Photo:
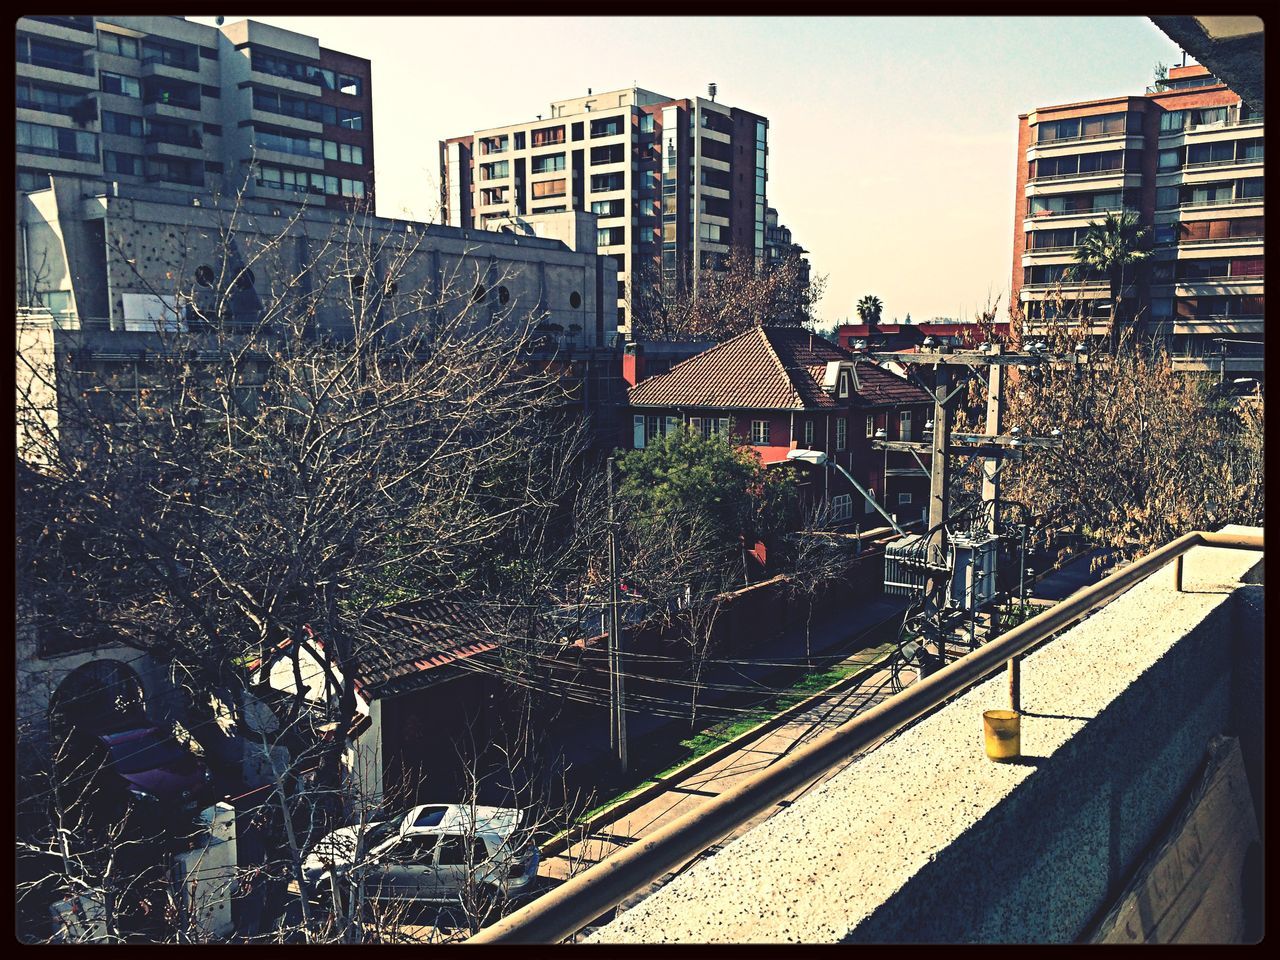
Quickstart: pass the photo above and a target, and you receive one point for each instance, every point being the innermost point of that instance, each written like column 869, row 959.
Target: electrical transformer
column 973, row 570
column 904, row 566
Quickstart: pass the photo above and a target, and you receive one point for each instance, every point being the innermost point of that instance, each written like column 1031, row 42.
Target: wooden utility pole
column 995, row 426
column 617, row 693
column 939, row 484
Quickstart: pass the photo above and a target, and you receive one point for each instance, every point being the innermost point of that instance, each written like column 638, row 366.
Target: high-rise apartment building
column 163, row 101
column 1187, row 156
column 676, row 184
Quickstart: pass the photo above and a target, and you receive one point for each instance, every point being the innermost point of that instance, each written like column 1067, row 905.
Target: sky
column 892, row 140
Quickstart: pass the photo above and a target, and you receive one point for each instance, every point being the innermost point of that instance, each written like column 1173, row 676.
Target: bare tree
column 727, row 301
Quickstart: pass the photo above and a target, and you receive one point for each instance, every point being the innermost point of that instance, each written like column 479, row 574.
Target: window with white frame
column 904, row 499
column 652, row 429
column 808, row 433
column 871, row 426
column 671, row 425
column 843, row 390
column 904, row 425
column 842, row 506
column 637, row 436
column 842, row 431
column 759, row 432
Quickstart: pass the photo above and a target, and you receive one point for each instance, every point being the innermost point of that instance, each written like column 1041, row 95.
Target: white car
column 430, row 854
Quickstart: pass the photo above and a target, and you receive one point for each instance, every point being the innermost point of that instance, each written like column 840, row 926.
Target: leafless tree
column 727, row 302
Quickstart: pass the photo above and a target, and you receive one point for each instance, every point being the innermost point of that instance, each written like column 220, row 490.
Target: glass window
column 118, row 44
column 1251, row 149
column 842, row 431
column 1170, row 159
column 547, row 163
column 550, row 188
column 349, row 85
column 124, row 163
column 116, row 83
column 842, row 506
column 1172, row 120
column 121, row 123
column 759, row 432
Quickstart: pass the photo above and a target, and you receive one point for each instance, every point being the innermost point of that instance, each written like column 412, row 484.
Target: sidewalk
column 652, row 740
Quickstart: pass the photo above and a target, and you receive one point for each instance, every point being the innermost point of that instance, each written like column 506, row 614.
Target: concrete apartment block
column 1187, row 157
column 160, row 100
column 926, row 840
column 676, row 184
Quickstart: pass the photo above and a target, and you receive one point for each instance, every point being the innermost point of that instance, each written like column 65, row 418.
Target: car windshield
column 380, row 833
column 149, row 751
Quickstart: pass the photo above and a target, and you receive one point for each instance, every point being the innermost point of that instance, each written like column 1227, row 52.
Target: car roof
column 456, row 818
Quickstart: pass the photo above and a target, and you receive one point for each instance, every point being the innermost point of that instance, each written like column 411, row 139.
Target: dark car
column 154, row 766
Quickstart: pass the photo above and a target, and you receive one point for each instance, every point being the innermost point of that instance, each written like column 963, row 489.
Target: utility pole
column 617, row 696
column 939, row 488
column 992, row 445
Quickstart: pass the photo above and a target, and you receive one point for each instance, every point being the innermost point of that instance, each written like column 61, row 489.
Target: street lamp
column 819, row 459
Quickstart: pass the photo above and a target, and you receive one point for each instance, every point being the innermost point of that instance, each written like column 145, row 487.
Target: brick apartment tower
column 673, row 183
column 164, row 101
column 1188, row 157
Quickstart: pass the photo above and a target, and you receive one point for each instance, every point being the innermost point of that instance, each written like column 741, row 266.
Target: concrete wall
column 925, row 840
column 155, row 245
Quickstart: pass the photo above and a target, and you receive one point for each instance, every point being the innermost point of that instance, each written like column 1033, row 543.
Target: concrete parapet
column 925, row 840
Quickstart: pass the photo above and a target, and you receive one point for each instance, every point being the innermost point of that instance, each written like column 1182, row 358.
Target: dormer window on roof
column 843, row 390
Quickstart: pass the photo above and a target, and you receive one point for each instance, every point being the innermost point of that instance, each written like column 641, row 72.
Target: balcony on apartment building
column 59, row 63
column 1131, row 810
column 165, row 97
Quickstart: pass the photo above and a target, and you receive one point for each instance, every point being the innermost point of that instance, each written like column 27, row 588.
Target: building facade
column 778, row 389
column 1188, row 158
column 160, row 100
column 676, row 184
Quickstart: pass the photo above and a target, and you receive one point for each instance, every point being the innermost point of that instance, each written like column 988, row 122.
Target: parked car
column 155, row 767
column 431, row 855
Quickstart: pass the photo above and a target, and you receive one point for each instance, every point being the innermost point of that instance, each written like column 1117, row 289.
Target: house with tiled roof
column 424, row 670
column 778, row 389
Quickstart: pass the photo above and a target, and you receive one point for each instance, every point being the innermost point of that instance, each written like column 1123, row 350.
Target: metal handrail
column 566, row 909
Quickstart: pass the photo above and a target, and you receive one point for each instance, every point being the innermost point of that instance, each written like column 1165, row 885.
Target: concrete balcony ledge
column 926, row 840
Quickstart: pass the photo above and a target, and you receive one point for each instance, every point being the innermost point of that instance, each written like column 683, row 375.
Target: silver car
column 436, row 853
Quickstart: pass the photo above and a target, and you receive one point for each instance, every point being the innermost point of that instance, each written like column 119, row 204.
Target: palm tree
column 1108, row 247
column 869, row 308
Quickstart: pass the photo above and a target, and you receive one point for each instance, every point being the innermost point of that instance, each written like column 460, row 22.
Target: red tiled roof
column 769, row 368
column 413, row 638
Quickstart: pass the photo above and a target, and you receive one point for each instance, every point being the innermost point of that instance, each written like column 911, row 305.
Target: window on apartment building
column 904, row 425
column 808, row 433
column 498, row 170
column 871, row 426
column 1250, row 151
column 118, row 44
column 121, row 163
column 607, row 208
column 351, row 119
column 350, row 153
column 519, row 140
column 549, row 188
column 1172, row 121
column 352, row 188
column 601, row 182
column 56, row 141
column 904, row 499
column 121, row 123
column 547, row 163
column 842, row 433
column 350, row 85
column 545, row 136
column 1167, row 197
column 118, row 83
column 614, row 153
column 1208, row 116
column 1169, row 160
column 841, row 506
column 1209, row 153
column 760, row 432
column 646, row 123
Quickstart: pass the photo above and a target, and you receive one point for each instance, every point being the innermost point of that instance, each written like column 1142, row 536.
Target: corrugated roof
column 769, row 368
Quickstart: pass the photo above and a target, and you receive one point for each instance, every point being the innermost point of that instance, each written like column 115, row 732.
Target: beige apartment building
column 675, row 184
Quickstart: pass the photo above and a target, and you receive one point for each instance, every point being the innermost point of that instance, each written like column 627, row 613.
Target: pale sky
column 892, row 140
